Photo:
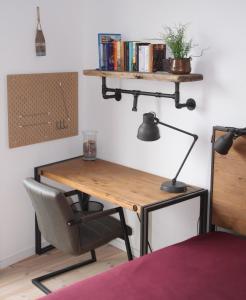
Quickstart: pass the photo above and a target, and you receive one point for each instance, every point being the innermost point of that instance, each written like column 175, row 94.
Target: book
column 118, row 53
column 122, row 56
column 143, row 57
column 115, row 55
column 126, row 55
column 110, row 56
column 130, row 57
column 104, row 49
column 134, row 56
column 159, row 54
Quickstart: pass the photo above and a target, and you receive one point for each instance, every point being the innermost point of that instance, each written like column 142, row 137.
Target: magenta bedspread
column 207, row 267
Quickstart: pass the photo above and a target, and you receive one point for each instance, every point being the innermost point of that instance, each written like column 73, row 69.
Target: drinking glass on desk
column 89, row 145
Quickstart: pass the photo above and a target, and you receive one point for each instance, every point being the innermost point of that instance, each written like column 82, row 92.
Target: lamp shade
column 148, row 130
column 223, row 144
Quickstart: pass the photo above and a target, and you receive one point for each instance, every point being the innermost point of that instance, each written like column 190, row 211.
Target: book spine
column 137, row 57
column 110, row 56
column 130, row 56
column 141, row 59
column 159, row 54
column 118, row 53
column 134, row 56
column 146, row 59
column 122, row 56
column 142, row 54
column 127, row 56
column 150, row 66
column 104, row 57
column 155, row 58
column 99, row 51
column 115, row 55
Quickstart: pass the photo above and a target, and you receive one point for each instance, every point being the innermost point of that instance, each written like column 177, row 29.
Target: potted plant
column 180, row 48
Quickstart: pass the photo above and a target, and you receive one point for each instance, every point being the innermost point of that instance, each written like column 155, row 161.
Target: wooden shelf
column 161, row 76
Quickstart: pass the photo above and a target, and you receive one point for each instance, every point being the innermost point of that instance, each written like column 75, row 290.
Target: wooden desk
column 126, row 187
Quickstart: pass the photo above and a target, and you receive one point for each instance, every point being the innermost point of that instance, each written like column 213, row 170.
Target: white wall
column 63, row 29
column 71, row 29
column 217, row 25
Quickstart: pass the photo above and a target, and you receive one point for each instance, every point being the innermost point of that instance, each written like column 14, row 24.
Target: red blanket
column 208, row 267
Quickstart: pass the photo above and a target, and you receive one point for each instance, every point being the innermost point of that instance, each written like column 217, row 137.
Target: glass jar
column 89, row 145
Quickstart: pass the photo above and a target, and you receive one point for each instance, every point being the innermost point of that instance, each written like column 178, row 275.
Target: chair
column 71, row 232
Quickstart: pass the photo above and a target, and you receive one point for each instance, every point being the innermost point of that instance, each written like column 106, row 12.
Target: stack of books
column 129, row 56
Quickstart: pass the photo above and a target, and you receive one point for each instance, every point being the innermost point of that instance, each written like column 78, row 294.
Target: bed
column 210, row 266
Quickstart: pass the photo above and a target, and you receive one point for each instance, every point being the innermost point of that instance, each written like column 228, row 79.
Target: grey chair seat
column 99, row 232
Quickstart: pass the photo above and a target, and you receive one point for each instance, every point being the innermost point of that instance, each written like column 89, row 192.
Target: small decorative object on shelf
column 89, row 145
column 39, row 39
column 180, row 48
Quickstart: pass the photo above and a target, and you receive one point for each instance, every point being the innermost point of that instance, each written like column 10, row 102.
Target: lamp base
column 177, row 187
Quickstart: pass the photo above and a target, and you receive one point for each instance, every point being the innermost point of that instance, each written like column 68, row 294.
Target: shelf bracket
column 117, row 95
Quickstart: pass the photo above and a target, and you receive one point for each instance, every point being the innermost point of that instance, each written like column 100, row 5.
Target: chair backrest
column 53, row 212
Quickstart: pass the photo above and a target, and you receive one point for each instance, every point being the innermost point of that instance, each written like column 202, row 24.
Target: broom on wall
column 39, row 39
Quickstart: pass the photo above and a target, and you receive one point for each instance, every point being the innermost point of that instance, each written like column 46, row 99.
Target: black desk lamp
column 149, row 131
column 223, row 144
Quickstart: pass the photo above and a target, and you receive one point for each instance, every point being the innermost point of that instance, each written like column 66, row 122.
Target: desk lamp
column 223, row 144
column 149, row 131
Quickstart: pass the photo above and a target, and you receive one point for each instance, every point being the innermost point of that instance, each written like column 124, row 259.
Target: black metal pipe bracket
column 117, row 95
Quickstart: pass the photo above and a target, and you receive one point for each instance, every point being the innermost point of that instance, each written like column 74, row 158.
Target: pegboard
column 42, row 107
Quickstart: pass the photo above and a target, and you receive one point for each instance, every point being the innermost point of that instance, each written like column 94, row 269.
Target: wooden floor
column 15, row 281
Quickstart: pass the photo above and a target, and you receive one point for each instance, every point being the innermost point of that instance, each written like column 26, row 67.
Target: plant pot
column 180, row 65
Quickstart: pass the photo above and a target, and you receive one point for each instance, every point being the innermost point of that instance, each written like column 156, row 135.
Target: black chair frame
column 38, row 281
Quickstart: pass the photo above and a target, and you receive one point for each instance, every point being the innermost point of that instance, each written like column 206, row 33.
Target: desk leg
column 203, row 212
column 144, row 231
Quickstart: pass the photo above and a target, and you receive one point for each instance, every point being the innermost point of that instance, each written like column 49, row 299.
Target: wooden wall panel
column 42, row 107
column 229, row 187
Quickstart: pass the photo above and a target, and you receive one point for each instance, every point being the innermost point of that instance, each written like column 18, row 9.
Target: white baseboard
column 12, row 259
column 120, row 244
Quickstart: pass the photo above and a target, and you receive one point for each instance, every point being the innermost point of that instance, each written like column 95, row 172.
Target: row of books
column 118, row 55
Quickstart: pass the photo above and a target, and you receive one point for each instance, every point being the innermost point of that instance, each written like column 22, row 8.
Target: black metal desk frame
column 203, row 194
column 144, row 214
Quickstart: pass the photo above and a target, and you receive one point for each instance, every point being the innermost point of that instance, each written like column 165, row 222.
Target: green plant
column 176, row 40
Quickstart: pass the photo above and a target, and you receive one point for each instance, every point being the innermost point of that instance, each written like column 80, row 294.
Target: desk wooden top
column 120, row 185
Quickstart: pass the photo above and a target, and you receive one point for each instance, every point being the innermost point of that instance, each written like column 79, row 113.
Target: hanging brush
column 39, row 39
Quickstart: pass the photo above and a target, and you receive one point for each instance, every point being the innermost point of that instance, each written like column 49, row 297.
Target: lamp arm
column 180, row 168
column 195, row 138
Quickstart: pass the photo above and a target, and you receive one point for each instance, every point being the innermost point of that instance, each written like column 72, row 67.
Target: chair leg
column 38, row 281
column 126, row 238
column 93, row 255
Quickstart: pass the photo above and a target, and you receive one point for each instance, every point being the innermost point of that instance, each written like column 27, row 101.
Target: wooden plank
column 229, row 189
column 120, row 185
column 161, row 76
column 15, row 281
